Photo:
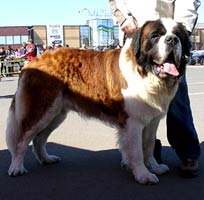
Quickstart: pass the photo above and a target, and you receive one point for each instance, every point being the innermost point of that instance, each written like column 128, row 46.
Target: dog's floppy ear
column 187, row 44
column 184, row 36
column 140, row 57
column 137, row 43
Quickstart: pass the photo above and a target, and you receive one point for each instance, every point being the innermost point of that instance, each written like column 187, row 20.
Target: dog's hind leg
column 39, row 142
column 17, row 148
column 24, row 126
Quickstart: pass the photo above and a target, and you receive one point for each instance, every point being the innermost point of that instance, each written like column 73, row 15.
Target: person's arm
column 186, row 13
column 123, row 16
column 119, row 10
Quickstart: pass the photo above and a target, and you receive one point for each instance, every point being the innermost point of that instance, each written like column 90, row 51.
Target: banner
column 55, row 34
column 105, row 28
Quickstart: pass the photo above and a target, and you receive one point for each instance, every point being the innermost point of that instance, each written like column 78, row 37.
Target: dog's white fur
column 145, row 99
column 154, row 109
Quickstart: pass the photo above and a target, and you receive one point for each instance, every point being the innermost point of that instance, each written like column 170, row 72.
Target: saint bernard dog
column 129, row 88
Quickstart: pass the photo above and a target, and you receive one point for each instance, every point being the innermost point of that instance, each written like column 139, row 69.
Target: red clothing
column 31, row 51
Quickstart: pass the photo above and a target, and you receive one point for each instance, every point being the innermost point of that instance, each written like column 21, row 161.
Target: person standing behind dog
column 181, row 132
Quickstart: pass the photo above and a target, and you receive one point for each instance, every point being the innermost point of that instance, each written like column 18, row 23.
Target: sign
column 105, row 28
column 55, row 34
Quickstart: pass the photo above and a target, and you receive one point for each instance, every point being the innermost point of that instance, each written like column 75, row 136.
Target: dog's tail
column 13, row 129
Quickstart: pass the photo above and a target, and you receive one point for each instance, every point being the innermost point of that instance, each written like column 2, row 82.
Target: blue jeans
column 181, row 132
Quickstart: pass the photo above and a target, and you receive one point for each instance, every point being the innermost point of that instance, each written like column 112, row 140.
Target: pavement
column 90, row 161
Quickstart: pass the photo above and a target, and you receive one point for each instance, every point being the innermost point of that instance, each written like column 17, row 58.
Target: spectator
column 44, row 48
column 83, row 46
column 57, row 46
column 23, row 48
column 2, row 57
column 10, row 54
column 19, row 53
column 31, row 50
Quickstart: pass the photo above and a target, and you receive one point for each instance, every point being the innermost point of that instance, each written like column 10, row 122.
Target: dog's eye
column 155, row 36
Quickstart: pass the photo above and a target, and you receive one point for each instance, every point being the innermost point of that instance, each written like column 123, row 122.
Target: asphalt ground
column 90, row 162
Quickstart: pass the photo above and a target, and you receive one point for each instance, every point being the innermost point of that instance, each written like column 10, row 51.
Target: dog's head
column 162, row 47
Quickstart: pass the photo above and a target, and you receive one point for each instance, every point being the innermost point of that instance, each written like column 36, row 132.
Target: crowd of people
column 25, row 53
column 6, row 56
column 9, row 57
column 22, row 55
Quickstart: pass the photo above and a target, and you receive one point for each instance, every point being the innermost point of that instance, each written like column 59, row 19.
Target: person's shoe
column 189, row 168
column 157, row 151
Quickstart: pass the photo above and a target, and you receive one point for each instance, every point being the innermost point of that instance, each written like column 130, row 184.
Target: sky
column 64, row 12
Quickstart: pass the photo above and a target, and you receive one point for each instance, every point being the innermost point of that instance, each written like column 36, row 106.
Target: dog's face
column 162, row 47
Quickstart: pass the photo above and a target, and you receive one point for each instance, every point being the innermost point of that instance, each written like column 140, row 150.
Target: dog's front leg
column 149, row 136
column 130, row 144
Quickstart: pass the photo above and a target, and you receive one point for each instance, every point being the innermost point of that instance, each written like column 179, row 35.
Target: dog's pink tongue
column 170, row 68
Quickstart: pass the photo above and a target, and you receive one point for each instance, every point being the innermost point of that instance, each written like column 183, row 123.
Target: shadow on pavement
column 93, row 175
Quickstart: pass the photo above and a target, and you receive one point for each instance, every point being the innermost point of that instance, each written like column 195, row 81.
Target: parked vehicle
column 196, row 57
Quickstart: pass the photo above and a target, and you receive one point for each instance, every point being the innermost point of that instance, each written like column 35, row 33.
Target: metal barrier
column 9, row 67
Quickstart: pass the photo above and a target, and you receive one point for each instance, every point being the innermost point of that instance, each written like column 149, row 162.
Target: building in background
column 101, row 32
column 14, row 35
column 198, row 37
column 97, row 33
column 72, row 36
column 85, row 36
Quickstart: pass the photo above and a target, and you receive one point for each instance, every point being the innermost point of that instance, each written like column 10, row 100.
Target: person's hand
column 130, row 25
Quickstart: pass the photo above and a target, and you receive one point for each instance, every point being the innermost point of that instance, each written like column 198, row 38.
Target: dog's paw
column 50, row 159
column 147, row 179
column 159, row 169
column 144, row 176
column 156, row 168
column 16, row 170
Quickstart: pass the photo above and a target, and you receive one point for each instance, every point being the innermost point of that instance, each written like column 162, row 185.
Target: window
column 85, row 35
column 17, row 39
column 2, row 40
column 9, row 39
column 105, row 32
column 24, row 38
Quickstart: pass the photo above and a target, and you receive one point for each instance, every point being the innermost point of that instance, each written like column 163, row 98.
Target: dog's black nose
column 171, row 40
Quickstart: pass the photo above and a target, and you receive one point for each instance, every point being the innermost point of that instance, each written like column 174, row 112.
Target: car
column 196, row 57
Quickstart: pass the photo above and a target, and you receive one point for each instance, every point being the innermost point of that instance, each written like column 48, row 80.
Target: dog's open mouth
column 169, row 66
